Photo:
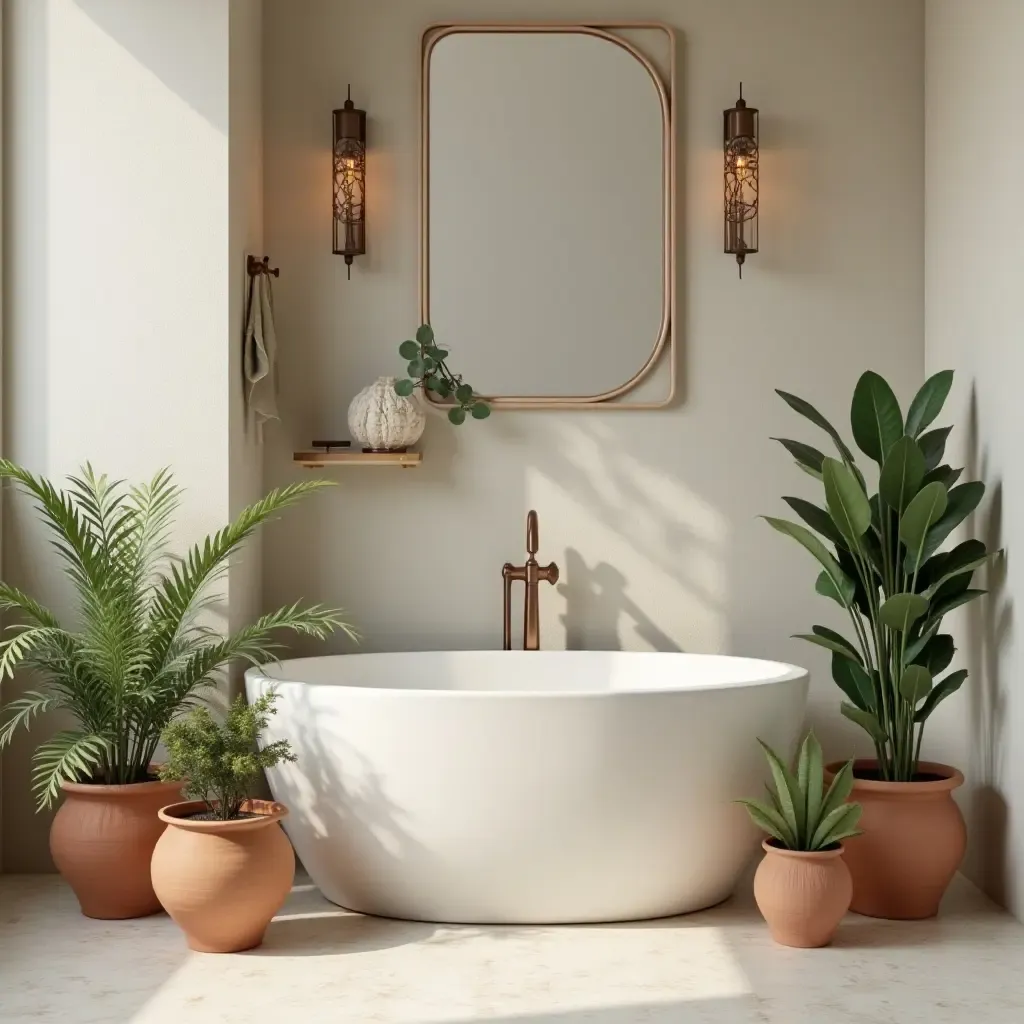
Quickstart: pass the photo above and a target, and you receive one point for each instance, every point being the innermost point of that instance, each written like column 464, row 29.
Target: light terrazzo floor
column 322, row 964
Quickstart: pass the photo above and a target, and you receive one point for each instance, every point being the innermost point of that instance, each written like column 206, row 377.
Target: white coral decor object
column 384, row 421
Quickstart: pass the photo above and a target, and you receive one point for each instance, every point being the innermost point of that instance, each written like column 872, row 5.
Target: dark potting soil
column 874, row 775
column 210, row 816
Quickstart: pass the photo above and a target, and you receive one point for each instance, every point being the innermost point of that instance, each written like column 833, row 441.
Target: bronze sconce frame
column 349, row 173
column 740, row 144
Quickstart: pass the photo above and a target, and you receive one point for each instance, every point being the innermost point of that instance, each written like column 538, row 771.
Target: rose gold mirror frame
column 666, row 93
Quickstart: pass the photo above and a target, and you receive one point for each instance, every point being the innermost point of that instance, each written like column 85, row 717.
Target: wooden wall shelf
column 321, row 460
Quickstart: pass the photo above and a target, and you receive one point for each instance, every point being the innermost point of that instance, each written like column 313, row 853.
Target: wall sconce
column 741, row 152
column 349, row 182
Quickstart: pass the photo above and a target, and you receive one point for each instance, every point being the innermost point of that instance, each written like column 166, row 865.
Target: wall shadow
column 989, row 630
column 596, row 603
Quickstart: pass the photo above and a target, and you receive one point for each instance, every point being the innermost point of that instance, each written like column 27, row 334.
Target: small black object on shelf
column 331, row 445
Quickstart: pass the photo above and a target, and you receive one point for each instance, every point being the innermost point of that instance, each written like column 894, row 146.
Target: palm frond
column 139, row 657
column 70, row 756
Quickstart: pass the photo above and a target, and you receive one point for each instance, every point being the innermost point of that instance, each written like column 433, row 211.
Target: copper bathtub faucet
column 531, row 574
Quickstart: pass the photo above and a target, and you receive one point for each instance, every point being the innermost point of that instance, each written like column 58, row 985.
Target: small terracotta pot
column 223, row 881
column 914, row 840
column 102, row 840
column 802, row 896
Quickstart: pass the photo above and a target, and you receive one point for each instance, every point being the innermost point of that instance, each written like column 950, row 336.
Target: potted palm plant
column 883, row 560
column 138, row 655
column 223, row 867
column 803, row 887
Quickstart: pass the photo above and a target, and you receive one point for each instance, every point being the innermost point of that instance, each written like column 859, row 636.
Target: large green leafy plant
column 429, row 371
column 881, row 561
column 222, row 762
column 139, row 654
column 801, row 814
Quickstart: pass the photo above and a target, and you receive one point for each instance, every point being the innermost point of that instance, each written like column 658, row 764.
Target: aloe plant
column 881, row 561
column 801, row 814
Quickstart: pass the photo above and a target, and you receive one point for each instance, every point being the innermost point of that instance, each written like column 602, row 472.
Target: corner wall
column 123, row 277
column 974, row 221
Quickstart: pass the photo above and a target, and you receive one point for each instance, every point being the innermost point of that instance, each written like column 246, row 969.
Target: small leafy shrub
column 800, row 815
column 221, row 763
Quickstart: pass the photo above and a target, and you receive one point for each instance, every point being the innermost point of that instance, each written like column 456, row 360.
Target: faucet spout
column 532, row 574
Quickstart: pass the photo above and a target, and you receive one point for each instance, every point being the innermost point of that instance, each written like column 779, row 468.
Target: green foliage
column 222, row 762
column 140, row 654
column 801, row 815
column 880, row 560
column 428, row 371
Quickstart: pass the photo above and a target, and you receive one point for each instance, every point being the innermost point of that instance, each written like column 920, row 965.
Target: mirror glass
column 545, row 211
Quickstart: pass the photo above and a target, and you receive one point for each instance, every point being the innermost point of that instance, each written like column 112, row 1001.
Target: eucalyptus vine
column 428, row 371
column 880, row 561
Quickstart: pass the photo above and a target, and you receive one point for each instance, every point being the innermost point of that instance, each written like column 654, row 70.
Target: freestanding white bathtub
column 513, row 787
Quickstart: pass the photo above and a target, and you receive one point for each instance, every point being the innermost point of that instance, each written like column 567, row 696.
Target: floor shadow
column 330, row 934
column 727, row 1010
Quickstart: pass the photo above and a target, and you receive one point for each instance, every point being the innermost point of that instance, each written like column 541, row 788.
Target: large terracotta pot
column 223, row 881
column 913, row 841
column 102, row 840
column 802, row 896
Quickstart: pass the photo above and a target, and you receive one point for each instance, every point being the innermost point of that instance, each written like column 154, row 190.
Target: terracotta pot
column 802, row 896
column 223, row 881
column 913, row 842
column 102, row 840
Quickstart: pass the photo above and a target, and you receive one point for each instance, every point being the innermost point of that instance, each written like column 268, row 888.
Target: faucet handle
column 532, row 533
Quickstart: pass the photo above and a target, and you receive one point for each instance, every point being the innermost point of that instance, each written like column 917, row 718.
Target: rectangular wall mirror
column 547, row 211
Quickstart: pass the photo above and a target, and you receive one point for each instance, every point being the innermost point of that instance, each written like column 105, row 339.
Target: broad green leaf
column 927, row 508
column 915, row 648
column 816, row 518
column 953, row 601
column 807, row 410
column 767, row 819
column 867, row 721
column 435, row 384
column 404, row 388
column 842, row 584
column 829, row 644
column 806, row 457
column 811, row 778
column 901, row 611
column 915, row 684
column 940, row 692
column 902, row 474
column 787, row 791
column 463, row 393
column 480, row 410
column 838, row 638
column 936, row 654
column 840, row 822
column 416, row 368
column 852, row 570
column 933, row 447
column 409, row 350
column 963, row 500
column 852, row 678
column 425, row 334
column 962, row 560
column 439, row 354
column 457, row 416
column 847, row 503
column 875, row 417
column 928, row 402
column 827, row 588
column 945, row 475
column 840, row 789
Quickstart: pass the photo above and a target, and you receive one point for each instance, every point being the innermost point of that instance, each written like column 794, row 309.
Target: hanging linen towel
column 260, row 356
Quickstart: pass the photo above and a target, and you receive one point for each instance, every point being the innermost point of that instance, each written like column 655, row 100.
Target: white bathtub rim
column 784, row 673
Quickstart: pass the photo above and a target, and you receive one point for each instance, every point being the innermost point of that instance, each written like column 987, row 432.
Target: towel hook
column 257, row 266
